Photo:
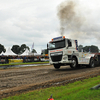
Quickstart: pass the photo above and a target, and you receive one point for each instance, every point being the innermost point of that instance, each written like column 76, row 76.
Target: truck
column 63, row 51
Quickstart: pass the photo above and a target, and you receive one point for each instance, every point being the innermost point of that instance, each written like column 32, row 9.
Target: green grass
column 79, row 90
column 25, row 63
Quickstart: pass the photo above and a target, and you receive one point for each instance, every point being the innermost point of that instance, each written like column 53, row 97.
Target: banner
column 14, row 61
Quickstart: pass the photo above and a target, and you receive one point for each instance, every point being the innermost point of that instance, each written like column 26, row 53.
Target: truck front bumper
column 61, row 62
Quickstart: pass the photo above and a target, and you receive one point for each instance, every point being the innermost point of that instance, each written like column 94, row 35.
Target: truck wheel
column 74, row 63
column 56, row 66
column 92, row 63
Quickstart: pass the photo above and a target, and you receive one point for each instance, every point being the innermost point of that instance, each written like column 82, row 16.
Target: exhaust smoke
column 79, row 20
column 69, row 17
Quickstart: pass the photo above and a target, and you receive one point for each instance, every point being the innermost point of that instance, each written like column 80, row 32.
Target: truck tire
column 56, row 66
column 92, row 63
column 74, row 64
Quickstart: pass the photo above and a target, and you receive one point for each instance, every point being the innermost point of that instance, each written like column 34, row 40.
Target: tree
column 22, row 48
column 2, row 49
column 44, row 51
column 94, row 49
column 19, row 49
column 80, row 47
column 86, row 48
column 91, row 48
column 34, row 51
column 15, row 49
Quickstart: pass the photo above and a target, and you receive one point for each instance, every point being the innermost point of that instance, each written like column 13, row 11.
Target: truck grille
column 56, row 56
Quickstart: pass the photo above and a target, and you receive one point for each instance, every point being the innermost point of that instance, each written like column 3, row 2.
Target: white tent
column 2, row 53
column 30, row 53
column 26, row 53
column 36, row 54
column 9, row 52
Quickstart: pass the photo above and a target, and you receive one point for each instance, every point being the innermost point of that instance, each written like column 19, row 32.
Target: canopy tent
column 26, row 53
column 9, row 52
column 2, row 53
column 36, row 54
column 30, row 53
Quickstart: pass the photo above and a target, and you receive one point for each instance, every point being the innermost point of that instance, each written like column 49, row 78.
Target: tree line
column 92, row 48
column 17, row 49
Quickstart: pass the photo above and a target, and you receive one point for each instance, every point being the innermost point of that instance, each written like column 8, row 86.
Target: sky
column 38, row 21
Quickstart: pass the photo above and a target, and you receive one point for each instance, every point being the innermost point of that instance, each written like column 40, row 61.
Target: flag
column 32, row 46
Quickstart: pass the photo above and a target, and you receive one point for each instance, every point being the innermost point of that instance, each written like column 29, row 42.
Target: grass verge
column 79, row 90
column 25, row 63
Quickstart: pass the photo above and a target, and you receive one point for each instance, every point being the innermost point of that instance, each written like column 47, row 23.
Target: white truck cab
column 63, row 51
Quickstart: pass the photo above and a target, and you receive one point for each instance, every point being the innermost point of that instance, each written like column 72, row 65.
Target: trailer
column 63, row 51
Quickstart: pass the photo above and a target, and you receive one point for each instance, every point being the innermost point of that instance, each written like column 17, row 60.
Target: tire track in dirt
column 16, row 81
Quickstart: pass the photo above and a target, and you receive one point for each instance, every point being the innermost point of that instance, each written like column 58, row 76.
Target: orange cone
column 50, row 98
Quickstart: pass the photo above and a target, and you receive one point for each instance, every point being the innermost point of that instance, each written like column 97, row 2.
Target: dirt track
column 19, row 80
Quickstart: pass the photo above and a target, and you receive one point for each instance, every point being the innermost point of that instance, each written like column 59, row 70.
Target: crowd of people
column 32, row 58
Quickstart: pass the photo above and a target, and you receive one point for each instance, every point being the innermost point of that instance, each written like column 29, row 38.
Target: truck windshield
column 57, row 44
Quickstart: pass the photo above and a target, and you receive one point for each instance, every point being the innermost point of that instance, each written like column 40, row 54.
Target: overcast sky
column 28, row 21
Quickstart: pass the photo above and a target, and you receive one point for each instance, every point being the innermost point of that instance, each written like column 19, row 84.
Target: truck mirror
column 47, row 47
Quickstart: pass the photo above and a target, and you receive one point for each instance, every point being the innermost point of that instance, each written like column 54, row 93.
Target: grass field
column 79, row 90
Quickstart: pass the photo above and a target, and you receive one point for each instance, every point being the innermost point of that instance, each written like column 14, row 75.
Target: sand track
column 19, row 80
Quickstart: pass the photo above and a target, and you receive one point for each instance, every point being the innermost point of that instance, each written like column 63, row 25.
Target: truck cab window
column 57, row 44
column 69, row 43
